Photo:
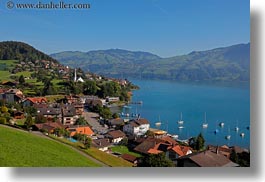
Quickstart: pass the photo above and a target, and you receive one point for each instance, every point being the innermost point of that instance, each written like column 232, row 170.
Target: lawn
column 124, row 150
column 107, row 158
column 5, row 76
column 22, row 149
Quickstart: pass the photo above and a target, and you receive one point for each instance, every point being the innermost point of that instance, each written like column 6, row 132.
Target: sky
column 163, row 27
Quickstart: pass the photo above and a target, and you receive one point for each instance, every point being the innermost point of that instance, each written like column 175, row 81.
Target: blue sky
column 163, row 27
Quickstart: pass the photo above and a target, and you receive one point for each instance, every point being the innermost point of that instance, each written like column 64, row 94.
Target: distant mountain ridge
column 227, row 63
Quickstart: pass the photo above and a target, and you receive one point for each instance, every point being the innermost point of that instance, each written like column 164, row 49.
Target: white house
column 116, row 136
column 137, row 127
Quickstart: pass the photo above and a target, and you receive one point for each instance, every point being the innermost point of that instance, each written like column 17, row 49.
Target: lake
column 222, row 102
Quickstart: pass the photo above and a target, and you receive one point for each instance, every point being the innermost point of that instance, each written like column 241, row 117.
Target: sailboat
column 205, row 124
column 236, row 128
column 228, row 137
column 180, row 122
column 158, row 123
column 242, row 134
column 221, row 124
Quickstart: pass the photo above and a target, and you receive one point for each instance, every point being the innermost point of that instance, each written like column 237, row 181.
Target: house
column 19, row 115
column 206, row 158
column 70, row 99
column 91, row 101
column 11, row 95
column 102, row 144
column 147, row 144
column 79, row 108
column 179, row 151
column 224, row 150
column 137, row 127
column 85, row 130
column 48, row 126
column 112, row 99
column 9, row 83
column 69, row 115
column 130, row 158
column 30, row 101
column 50, row 113
column 116, row 123
column 115, row 136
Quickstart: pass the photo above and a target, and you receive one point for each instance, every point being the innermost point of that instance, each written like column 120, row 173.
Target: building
column 50, row 113
column 115, row 136
column 69, row 115
column 85, row 130
column 136, row 127
column 102, row 144
column 206, row 158
column 30, row 101
column 11, row 95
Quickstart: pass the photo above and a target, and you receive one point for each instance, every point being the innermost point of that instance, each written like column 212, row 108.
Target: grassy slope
column 20, row 149
column 107, row 158
column 124, row 150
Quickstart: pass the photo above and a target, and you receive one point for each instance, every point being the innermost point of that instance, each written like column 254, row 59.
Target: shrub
column 2, row 120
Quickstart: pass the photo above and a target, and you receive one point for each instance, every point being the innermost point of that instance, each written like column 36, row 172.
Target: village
column 74, row 118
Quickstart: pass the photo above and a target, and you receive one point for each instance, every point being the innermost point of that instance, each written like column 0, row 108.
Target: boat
column 180, row 122
column 228, row 137
column 205, row 124
column 216, row 131
column 175, row 137
column 242, row 134
column 180, row 127
column 158, row 123
column 222, row 124
column 236, row 128
column 248, row 127
column 127, row 107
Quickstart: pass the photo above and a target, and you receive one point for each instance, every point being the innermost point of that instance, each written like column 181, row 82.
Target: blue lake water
column 228, row 103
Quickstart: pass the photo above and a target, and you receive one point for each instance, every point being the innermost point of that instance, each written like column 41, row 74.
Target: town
column 73, row 107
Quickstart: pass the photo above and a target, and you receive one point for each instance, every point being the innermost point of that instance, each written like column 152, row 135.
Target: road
column 93, row 122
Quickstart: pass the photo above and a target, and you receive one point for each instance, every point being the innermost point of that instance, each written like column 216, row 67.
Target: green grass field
column 107, row 158
column 124, row 150
column 22, row 149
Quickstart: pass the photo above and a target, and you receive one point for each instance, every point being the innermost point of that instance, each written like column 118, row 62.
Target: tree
column 31, row 110
column 29, row 122
column 87, row 142
column 21, row 80
column 2, row 120
column 90, row 88
column 4, row 109
column 81, row 121
column 156, row 160
column 115, row 115
column 200, row 142
column 40, row 119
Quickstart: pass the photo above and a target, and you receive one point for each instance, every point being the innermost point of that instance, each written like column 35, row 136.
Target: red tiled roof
column 86, row 130
column 169, row 140
column 37, row 99
column 154, row 151
column 181, row 150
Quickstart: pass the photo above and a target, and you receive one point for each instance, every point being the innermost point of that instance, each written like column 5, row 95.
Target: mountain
column 106, row 62
column 12, row 50
column 228, row 63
